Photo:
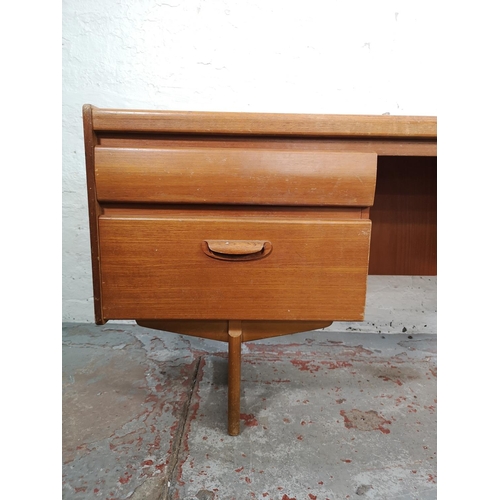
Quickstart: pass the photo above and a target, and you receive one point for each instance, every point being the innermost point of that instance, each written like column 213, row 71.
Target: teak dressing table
column 242, row 226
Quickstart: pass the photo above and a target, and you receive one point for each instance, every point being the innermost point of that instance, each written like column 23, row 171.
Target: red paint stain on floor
column 356, row 350
column 333, row 365
column 385, row 378
column 314, row 366
column 125, row 478
column 239, row 470
column 160, row 467
column 364, row 420
column 286, row 497
column 155, row 445
column 305, row 366
column 249, row 419
column 312, row 497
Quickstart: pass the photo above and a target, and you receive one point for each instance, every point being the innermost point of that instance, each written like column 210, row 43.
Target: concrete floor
column 325, row 415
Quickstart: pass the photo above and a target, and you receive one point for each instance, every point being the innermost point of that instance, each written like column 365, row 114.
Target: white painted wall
column 319, row 56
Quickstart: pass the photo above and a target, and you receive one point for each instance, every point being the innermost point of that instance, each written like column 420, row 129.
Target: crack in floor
column 177, row 442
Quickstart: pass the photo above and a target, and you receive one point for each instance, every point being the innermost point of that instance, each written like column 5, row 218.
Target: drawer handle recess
column 238, row 250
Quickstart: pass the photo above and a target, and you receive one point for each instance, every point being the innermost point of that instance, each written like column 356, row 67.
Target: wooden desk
column 237, row 227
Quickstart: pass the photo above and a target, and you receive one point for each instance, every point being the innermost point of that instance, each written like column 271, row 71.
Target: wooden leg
column 234, row 377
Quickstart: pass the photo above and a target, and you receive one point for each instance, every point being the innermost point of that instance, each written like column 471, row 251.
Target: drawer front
column 235, row 176
column 162, row 268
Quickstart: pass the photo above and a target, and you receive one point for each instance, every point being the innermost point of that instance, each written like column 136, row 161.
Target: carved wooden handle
column 237, row 249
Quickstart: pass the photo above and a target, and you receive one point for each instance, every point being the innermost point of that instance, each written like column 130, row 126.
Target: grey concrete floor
column 325, row 415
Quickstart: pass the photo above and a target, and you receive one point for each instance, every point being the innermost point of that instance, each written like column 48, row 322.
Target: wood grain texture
column 218, row 329
column 396, row 146
column 235, row 176
column 265, row 123
column 256, row 330
column 234, row 377
column 155, row 269
column 244, row 212
column 236, row 250
column 404, row 216
column 90, row 141
column 206, row 329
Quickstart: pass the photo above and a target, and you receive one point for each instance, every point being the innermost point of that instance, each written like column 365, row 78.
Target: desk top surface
column 269, row 124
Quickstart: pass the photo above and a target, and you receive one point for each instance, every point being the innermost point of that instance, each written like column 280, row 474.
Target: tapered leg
column 234, row 377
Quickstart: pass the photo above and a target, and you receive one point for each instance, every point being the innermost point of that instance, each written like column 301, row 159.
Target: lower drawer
column 225, row 268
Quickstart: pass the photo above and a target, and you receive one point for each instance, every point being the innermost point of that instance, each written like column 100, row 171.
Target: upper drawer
column 235, row 176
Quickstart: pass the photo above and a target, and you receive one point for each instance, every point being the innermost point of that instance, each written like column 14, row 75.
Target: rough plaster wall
column 231, row 55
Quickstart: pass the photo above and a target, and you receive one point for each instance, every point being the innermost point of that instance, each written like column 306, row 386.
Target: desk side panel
column 91, row 140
